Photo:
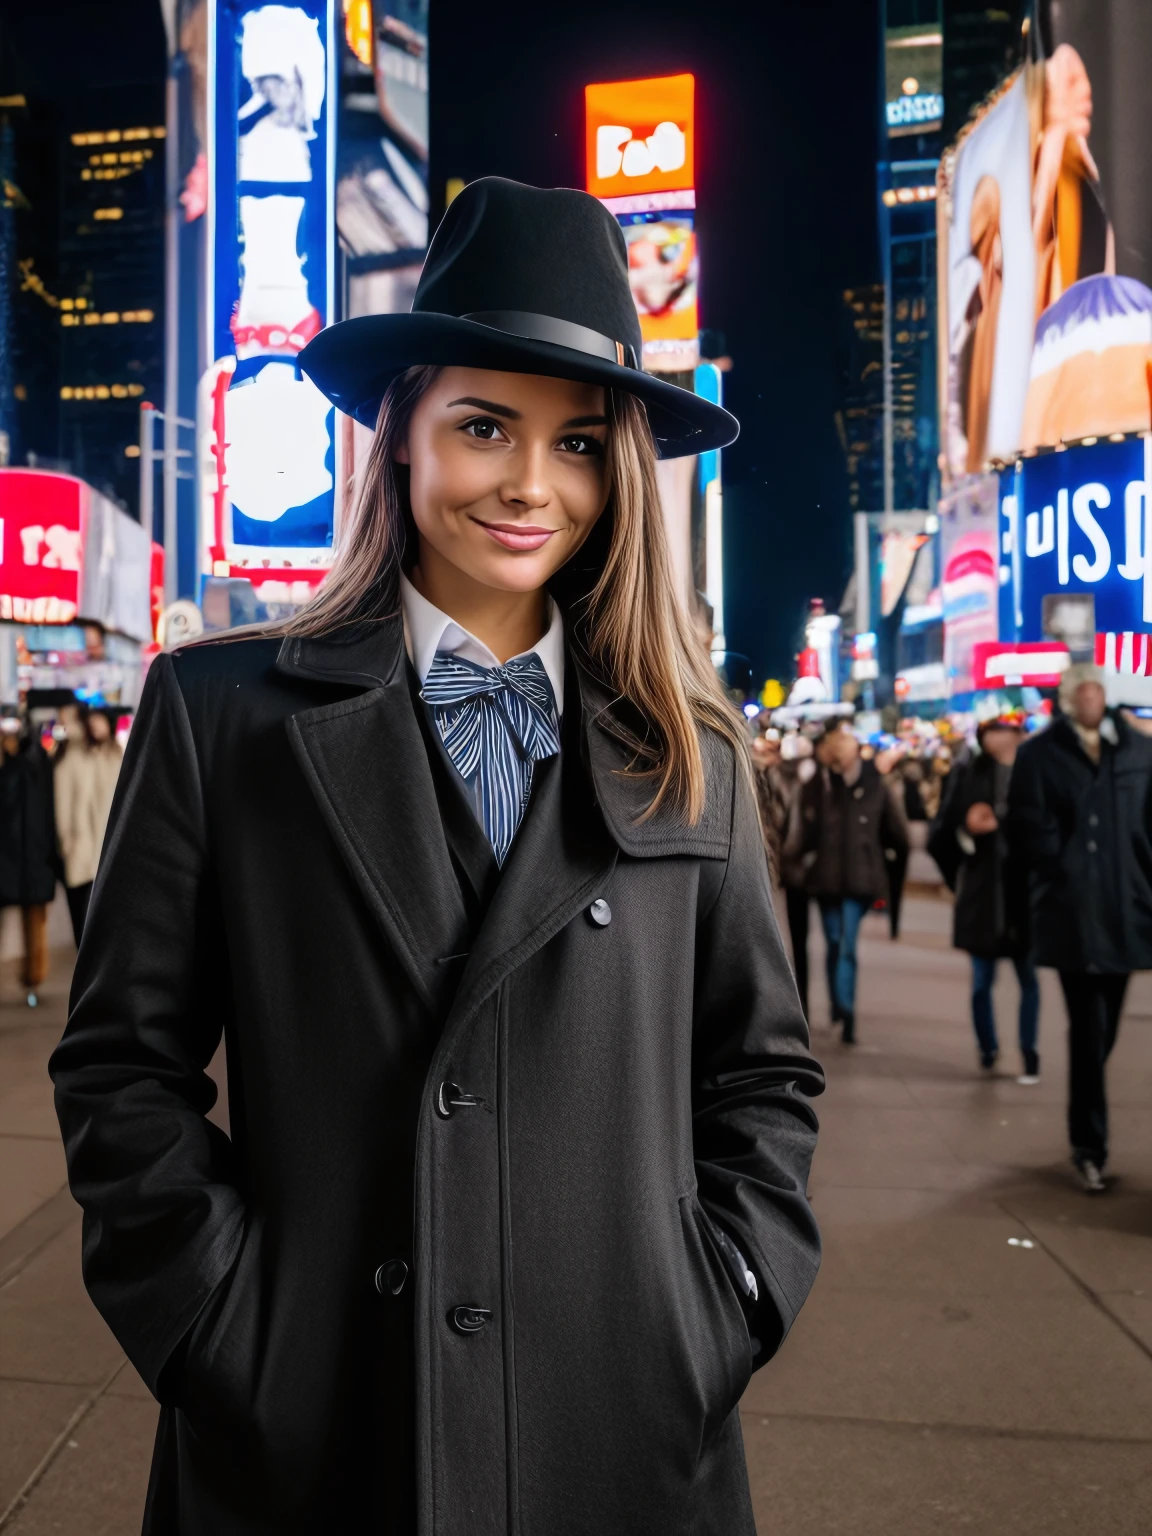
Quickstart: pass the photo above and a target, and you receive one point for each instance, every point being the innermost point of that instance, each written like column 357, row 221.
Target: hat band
column 561, row 333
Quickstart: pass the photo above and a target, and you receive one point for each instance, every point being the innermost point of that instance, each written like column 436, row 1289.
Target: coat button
column 470, row 1319
column 390, row 1277
column 600, row 912
column 1093, row 820
column 450, row 1096
column 863, row 821
column 1091, row 846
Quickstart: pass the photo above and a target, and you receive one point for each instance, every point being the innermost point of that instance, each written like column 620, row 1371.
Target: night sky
column 785, row 154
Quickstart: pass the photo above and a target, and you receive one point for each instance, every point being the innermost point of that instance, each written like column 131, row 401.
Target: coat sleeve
column 754, row 1128
column 162, row 1214
column 942, row 844
column 1031, row 827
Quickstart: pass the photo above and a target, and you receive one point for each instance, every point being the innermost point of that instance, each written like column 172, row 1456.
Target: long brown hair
column 630, row 627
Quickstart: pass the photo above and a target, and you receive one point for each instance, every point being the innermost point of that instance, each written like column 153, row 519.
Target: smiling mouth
column 520, row 536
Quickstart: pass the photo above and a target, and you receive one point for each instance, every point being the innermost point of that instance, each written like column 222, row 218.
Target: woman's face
column 507, row 473
column 99, row 727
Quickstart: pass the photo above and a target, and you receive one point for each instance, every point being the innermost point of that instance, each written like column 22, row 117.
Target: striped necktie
column 496, row 724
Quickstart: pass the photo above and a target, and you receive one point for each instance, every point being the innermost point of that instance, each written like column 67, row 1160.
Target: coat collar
column 365, row 760
column 372, row 656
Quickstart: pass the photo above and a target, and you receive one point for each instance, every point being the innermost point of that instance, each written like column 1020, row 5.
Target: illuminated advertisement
column 382, row 152
column 662, row 273
column 268, row 450
column 639, row 136
column 970, row 583
column 987, row 287
column 913, row 70
column 1074, row 543
column 1046, row 269
column 640, row 162
column 66, row 552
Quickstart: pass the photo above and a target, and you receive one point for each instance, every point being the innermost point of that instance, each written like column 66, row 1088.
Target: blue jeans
column 983, row 976
column 841, row 920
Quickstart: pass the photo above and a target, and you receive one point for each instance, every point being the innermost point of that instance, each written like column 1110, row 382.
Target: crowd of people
column 56, row 793
column 1042, row 834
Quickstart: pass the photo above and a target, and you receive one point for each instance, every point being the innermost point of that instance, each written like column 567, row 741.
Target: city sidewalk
column 976, row 1355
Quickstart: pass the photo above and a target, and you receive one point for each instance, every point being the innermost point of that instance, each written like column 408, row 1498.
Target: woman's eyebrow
column 488, row 405
column 587, row 421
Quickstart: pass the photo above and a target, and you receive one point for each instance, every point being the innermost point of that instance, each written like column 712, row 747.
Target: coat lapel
column 365, row 762
column 559, row 863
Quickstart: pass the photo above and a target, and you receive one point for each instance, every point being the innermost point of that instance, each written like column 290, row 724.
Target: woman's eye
column 581, row 445
column 483, row 429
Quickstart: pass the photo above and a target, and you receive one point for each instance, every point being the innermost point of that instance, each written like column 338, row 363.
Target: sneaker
column 848, row 1032
column 1031, row 1073
column 988, row 1059
column 1091, row 1174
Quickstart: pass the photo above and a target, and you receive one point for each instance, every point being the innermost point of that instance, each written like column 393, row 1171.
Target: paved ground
column 976, row 1356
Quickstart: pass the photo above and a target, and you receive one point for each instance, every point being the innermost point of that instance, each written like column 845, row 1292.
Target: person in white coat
column 85, row 782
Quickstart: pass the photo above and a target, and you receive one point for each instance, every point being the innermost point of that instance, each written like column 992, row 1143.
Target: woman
column 990, row 917
column 850, row 829
column 27, row 842
column 84, row 783
column 467, row 866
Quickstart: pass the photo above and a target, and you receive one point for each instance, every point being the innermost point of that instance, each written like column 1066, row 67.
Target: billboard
column 913, row 79
column 970, row 582
column 66, row 552
column 267, row 436
column 1046, row 301
column 640, row 154
column 662, row 272
column 1074, row 545
column 639, row 136
column 382, row 152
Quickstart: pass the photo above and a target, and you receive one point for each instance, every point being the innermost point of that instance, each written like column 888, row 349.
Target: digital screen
column 1046, row 307
column 1074, row 524
column 267, row 434
column 913, row 97
column 662, row 273
column 639, row 136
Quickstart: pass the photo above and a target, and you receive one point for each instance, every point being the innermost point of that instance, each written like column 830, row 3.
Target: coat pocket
column 720, row 1342
column 217, row 1382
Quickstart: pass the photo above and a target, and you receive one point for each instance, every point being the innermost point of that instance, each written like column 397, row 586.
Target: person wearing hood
column 1079, row 821
column 464, row 861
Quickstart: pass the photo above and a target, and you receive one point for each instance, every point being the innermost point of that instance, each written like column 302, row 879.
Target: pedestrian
column 465, row 859
column 905, row 792
column 990, row 915
column 28, row 861
column 1078, row 818
column 781, row 767
column 84, row 782
column 851, row 828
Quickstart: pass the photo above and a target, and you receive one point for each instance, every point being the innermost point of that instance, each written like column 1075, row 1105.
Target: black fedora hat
column 521, row 280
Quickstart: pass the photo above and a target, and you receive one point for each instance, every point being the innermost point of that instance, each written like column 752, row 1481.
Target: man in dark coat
column 1078, row 816
column 29, row 861
column 512, row 1310
column 850, row 828
column 990, row 916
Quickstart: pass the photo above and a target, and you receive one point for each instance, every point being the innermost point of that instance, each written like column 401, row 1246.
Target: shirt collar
column 428, row 630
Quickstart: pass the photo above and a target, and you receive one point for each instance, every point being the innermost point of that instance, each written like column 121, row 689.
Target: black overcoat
column 535, row 1116
column 848, row 832
column 28, row 857
column 990, row 915
column 1084, row 833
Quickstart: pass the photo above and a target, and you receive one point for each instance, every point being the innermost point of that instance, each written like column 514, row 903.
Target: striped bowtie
column 496, row 723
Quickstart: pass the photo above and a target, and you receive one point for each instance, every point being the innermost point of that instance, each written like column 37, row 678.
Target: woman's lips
column 517, row 535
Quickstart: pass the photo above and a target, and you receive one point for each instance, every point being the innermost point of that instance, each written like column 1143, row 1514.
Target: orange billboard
column 639, row 136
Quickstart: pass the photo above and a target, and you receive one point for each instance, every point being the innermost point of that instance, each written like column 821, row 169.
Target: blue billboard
column 1076, row 524
column 269, row 451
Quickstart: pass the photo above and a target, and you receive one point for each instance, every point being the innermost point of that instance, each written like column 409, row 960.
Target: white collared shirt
column 428, row 630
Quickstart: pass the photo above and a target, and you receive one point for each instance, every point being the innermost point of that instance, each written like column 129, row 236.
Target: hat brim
column 353, row 363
